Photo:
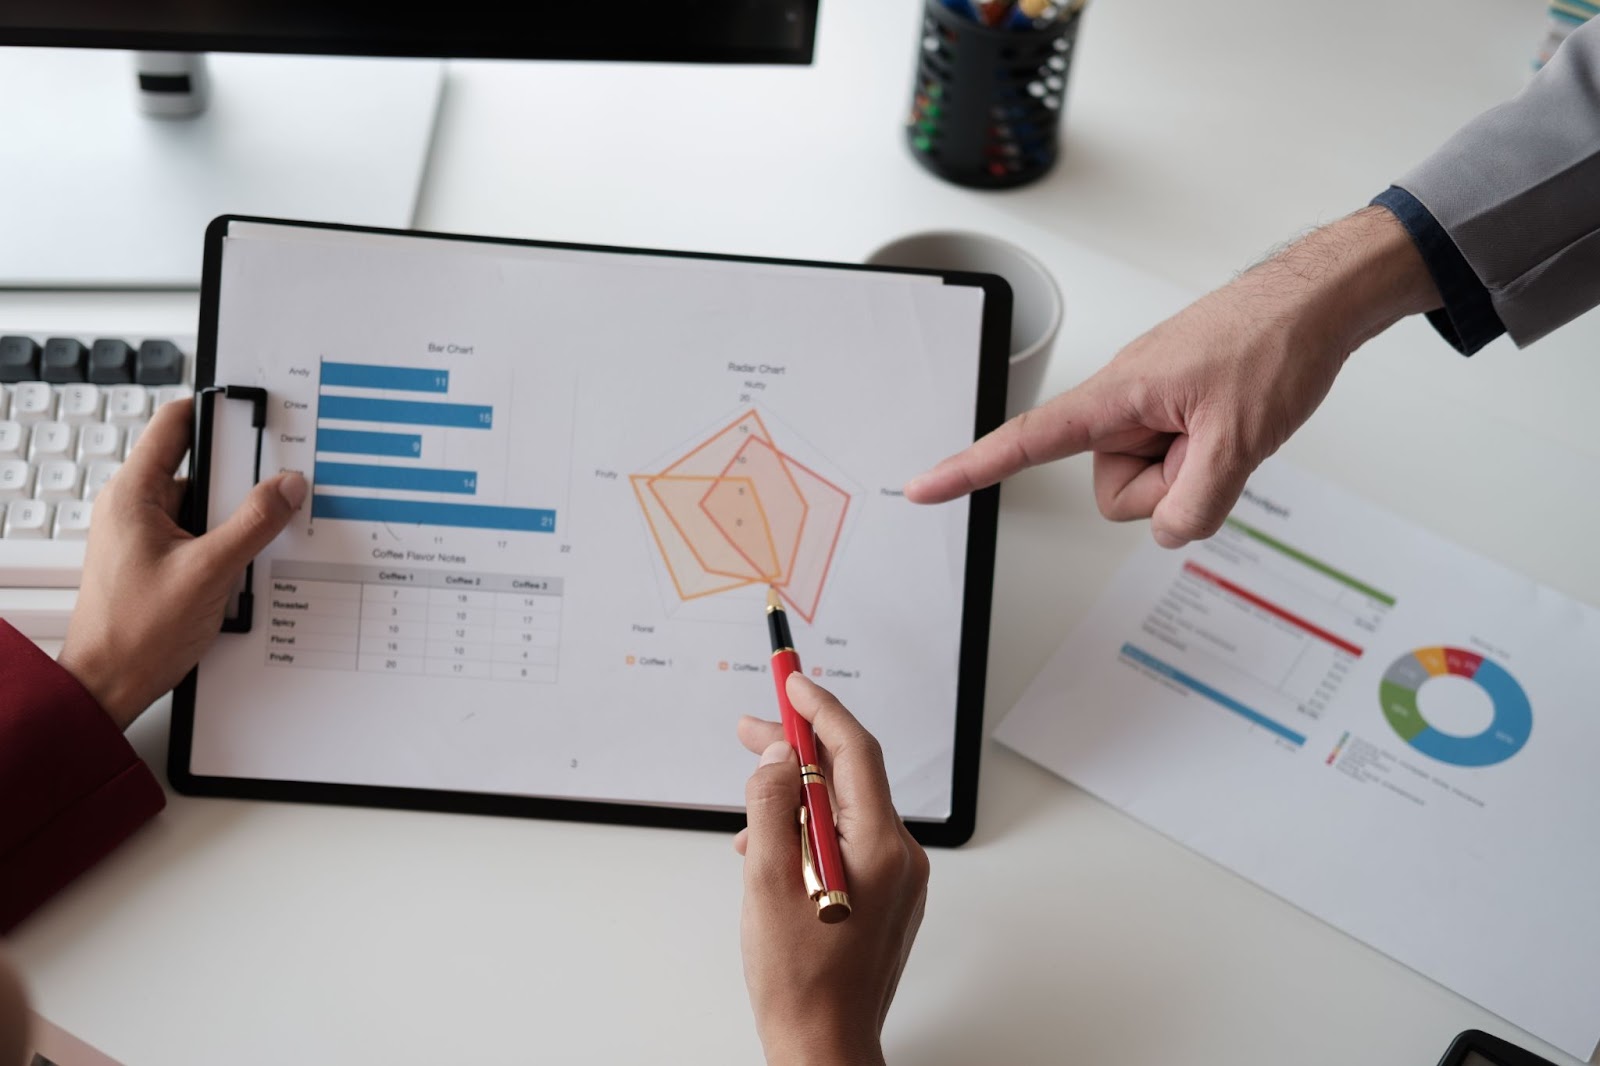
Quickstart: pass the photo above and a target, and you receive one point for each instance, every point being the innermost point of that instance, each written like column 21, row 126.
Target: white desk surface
column 1199, row 135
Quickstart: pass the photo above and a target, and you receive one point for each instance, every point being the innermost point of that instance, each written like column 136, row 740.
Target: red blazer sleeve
column 71, row 787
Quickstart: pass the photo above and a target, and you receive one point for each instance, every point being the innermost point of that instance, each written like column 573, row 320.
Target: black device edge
column 977, row 594
column 1500, row 1052
column 643, row 42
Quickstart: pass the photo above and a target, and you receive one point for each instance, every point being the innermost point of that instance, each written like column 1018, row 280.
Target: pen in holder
column 986, row 109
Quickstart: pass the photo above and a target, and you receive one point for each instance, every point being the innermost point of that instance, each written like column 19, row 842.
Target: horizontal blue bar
column 372, row 376
column 409, row 412
column 406, row 478
column 418, row 512
column 355, row 442
column 1144, row 658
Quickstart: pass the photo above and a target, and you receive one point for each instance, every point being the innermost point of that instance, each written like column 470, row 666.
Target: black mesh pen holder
column 986, row 108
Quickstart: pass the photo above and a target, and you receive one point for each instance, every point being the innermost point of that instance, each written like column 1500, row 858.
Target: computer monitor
column 110, row 167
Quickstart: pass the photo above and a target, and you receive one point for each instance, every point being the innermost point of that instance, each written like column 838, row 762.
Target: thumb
column 772, row 804
column 261, row 517
column 1207, row 485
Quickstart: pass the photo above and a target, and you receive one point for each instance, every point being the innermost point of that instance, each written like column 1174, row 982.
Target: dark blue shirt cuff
column 1468, row 319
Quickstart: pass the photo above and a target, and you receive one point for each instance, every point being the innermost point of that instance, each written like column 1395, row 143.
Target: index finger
column 154, row 460
column 860, row 782
column 1064, row 426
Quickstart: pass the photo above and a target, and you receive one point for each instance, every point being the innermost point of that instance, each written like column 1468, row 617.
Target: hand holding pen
column 818, row 988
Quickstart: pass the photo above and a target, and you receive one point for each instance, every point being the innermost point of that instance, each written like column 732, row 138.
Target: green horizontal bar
column 1316, row 564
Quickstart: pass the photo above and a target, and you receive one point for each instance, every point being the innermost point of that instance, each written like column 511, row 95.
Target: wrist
column 1354, row 278
column 111, row 689
column 824, row 1054
column 807, row 1044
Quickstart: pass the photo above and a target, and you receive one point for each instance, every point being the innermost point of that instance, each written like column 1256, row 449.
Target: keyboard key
column 5, row 400
column 13, row 440
column 72, row 520
column 79, row 403
column 51, row 440
column 32, row 401
column 19, row 359
column 134, row 433
column 28, row 519
column 57, row 480
column 64, row 360
column 16, row 478
column 111, row 363
column 96, row 477
column 159, row 363
column 172, row 394
column 100, row 440
column 126, row 404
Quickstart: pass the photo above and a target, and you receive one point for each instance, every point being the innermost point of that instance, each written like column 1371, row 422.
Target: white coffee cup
column 1036, row 307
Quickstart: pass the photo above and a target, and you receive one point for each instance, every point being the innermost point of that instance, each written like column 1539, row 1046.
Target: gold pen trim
column 808, row 866
column 832, row 907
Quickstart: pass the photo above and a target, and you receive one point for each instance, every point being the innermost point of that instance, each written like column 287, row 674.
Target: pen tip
column 773, row 603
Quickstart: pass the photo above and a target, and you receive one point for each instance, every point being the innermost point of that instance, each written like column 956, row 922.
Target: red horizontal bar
column 1271, row 608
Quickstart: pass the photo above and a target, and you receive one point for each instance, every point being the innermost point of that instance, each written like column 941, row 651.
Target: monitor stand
column 97, row 193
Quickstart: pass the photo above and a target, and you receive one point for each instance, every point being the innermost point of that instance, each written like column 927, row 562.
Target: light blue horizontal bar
column 1144, row 658
column 356, row 442
column 407, row 412
column 373, row 376
column 406, row 478
column 417, row 512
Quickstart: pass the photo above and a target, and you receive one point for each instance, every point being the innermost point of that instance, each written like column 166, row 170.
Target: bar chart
column 374, row 424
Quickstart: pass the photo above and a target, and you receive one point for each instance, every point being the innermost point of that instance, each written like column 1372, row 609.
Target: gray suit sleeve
column 1518, row 191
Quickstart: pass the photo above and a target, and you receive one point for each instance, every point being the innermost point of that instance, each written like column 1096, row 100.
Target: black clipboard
column 977, row 593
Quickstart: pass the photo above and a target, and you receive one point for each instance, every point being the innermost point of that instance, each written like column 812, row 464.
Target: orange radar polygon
column 738, row 511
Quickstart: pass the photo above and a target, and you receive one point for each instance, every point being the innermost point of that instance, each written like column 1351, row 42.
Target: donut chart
column 1505, row 735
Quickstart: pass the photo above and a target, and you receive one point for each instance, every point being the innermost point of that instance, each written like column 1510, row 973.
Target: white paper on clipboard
column 549, row 490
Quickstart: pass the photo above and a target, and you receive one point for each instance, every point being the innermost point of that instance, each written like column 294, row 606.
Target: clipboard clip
column 256, row 397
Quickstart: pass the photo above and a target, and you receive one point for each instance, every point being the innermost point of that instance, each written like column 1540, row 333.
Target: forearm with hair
column 1356, row 277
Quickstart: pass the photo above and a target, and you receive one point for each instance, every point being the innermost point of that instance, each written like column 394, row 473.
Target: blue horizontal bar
column 409, row 412
column 372, row 376
column 418, row 512
column 406, row 478
column 355, row 442
column 1144, row 658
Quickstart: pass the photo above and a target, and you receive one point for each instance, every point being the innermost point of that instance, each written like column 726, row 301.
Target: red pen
column 821, row 866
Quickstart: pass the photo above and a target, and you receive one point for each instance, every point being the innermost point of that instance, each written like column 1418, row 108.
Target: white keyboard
column 70, row 410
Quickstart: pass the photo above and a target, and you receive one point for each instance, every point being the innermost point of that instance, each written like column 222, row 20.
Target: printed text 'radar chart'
column 737, row 511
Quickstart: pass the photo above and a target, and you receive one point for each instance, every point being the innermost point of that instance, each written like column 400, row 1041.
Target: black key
column 159, row 363
column 64, row 360
column 111, row 363
column 19, row 359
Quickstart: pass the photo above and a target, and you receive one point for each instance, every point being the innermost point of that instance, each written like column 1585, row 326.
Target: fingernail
column 293, row 489
column 804, row 681
column 777, row 751
column 914, row 486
